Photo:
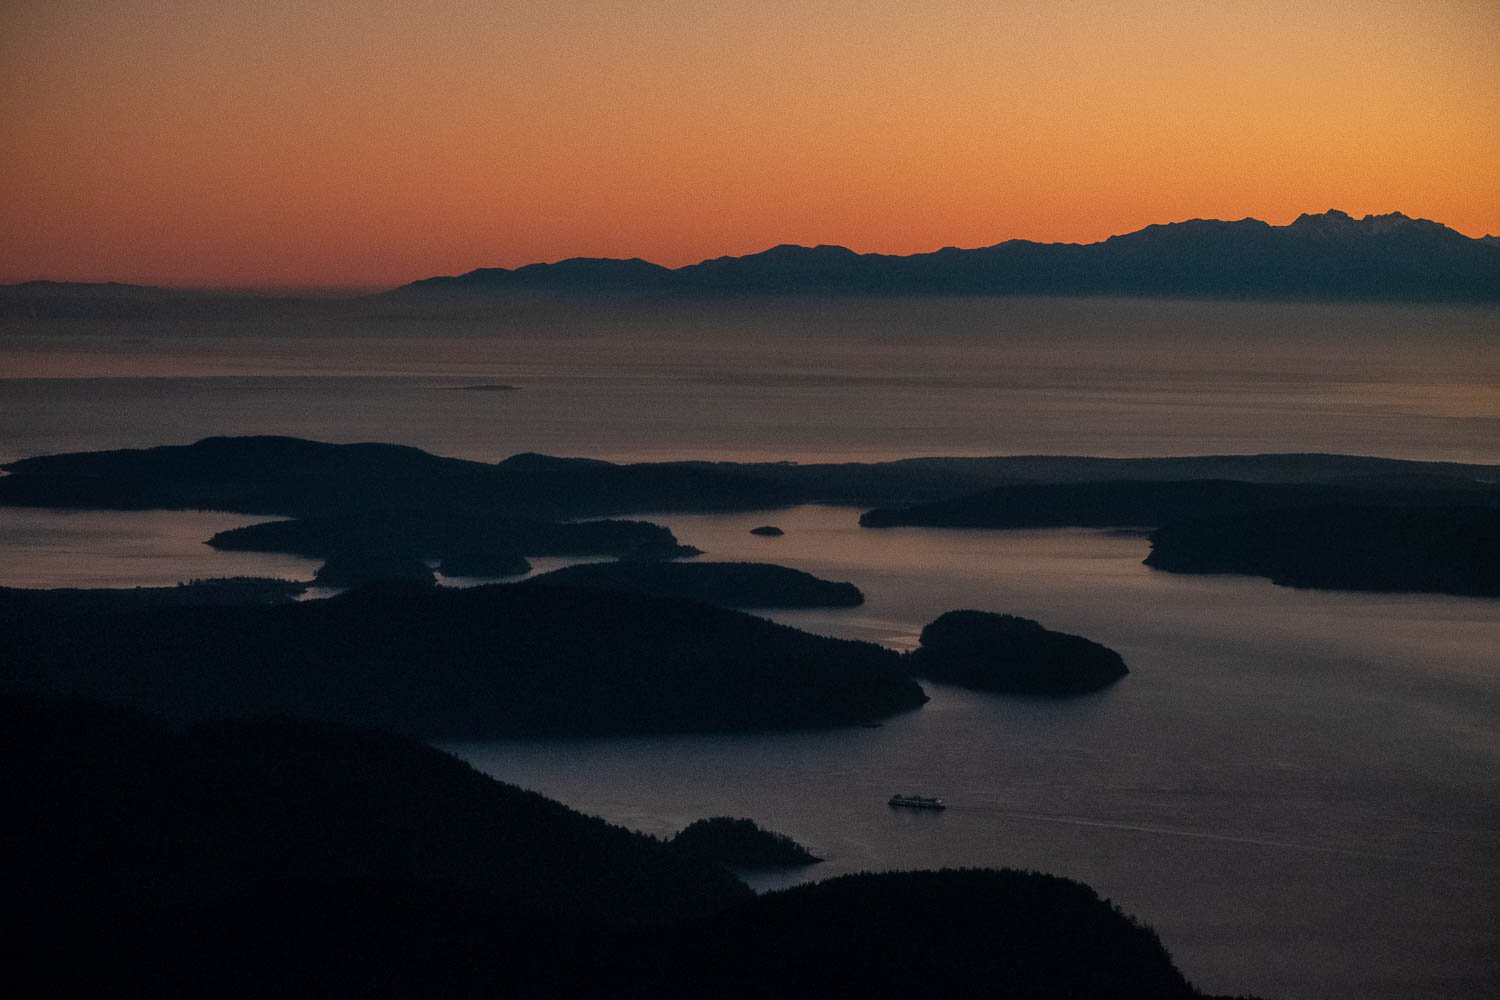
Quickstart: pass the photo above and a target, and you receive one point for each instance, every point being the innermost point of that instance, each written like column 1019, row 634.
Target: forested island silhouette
column 1332, row 521
column 672, row 500
column 239, row 739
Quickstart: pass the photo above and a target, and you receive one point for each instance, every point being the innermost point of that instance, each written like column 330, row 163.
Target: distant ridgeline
column 1307, row 520
column 1328, row 256
column 1331, row 256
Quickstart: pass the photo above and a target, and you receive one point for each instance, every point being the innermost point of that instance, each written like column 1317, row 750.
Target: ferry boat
column 917, row 802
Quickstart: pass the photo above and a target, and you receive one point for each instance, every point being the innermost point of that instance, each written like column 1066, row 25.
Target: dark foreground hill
column 164, row 816
column 253, row 858
column 440, row 663
column 944, row 933
column 733, row 585
column 247, row 858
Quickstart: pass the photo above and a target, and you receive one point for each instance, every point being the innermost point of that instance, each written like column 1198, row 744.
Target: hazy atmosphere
column 359, row 144
column 683, row 500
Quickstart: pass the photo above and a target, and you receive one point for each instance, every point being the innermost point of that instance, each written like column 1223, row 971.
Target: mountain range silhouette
column 1330, row 255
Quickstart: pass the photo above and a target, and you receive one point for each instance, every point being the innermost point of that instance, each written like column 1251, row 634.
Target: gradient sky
column 362, row 144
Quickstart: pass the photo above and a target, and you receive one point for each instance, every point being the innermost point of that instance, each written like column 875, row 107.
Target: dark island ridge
column 402, row 501
column 1438, row 536
column 347, row 499
column 292, row 477
column 438, row 534
column 493, row 661
column 1004, row 653
column 1446, row 550
column 543, row 658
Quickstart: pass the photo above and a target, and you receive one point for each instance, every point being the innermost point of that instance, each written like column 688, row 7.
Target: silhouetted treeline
column 486, row 662
column 253, row 858
column 735, row 585
column 741, row 843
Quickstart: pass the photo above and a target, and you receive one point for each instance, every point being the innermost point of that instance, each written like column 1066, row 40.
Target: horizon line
column 323, row 290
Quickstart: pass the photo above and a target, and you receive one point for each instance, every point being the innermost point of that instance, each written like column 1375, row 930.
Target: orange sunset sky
column 362, row 144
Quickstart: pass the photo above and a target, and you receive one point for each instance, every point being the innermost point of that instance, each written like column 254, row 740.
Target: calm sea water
column 1299, row 790
column 801, row 380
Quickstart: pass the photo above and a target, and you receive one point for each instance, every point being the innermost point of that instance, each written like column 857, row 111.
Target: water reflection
column 155, row 548
column 1296, row 788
